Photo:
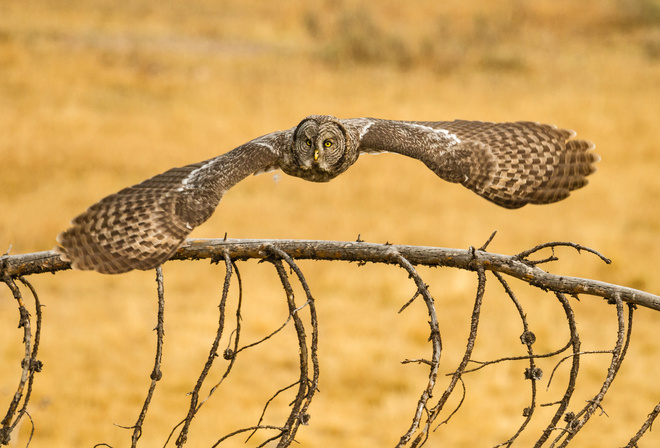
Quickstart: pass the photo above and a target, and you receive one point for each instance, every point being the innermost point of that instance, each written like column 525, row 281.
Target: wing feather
column 510, row 164
column 140, row 227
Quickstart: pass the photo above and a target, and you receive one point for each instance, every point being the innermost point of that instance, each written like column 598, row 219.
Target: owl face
column 321, row 149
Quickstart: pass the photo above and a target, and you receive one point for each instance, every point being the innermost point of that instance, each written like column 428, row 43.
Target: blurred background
column 99, row 95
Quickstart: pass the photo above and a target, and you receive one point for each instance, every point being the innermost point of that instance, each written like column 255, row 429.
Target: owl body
column 510, row 164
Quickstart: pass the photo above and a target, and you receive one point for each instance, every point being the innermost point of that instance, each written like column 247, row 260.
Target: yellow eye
column 308, row 142
column 327, row 143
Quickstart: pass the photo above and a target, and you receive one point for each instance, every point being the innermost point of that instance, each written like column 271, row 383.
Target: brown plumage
column 510, row 164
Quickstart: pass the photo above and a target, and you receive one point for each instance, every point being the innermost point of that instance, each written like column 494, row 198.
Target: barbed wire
column 559, row 431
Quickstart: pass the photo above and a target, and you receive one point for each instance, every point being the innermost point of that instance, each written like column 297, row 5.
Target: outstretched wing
column 510, row 164
column 140, row 227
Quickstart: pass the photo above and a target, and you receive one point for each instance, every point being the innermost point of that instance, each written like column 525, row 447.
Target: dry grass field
column 96, row 96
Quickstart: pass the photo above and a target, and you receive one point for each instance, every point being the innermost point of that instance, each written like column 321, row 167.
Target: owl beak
column 316, row 155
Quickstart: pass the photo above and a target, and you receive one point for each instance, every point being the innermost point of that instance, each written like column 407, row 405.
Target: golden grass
column 95, row 97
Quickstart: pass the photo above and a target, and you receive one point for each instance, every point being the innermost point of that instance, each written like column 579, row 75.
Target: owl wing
column 510, row 164
column 140, row 227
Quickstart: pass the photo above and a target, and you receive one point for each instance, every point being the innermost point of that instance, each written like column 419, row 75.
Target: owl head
column 322, row 149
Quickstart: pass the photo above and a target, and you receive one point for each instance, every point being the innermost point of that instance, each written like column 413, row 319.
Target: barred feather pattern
column 513, row 164
column 509, row 164
column 131, row 229
column 140, row 227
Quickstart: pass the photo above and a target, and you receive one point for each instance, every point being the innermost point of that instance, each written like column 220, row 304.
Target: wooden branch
column 470, row 259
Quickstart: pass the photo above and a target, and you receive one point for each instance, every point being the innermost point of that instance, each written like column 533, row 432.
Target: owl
column 509, row 164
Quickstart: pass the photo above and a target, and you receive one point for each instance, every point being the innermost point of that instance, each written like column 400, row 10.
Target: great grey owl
column 510, row 164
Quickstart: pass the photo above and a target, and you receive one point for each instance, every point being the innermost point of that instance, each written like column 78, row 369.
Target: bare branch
column 528, row 338
column 156, row 373
column 300, row 406
column 213, row 353
column 570, row 387
column 284, row 253
column 436, row 341
column 645, row 427
column 27, row 366
column 515, row 266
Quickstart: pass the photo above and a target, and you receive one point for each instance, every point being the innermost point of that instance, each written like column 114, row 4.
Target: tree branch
column 470, row 259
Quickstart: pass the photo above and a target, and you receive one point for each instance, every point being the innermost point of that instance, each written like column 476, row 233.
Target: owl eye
column 327, row 143
column 308, row 142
